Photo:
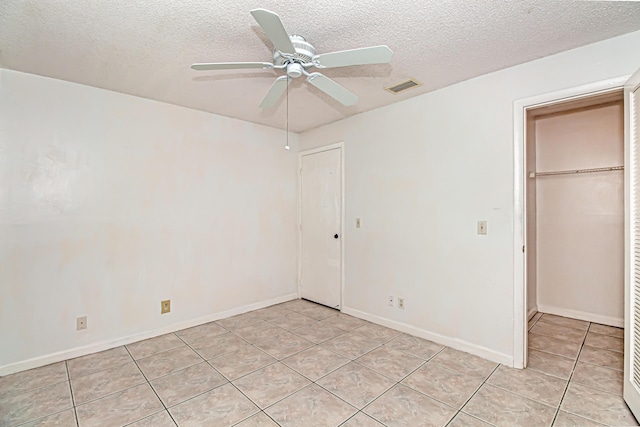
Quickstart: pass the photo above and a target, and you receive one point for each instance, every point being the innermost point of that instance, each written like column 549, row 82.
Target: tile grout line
column 271, row 418
column 32, row 420
column 358, row 409
column 246, row 397
column 152, row 389
column 258, row 406
column 318, row 385
column 573, row 369
column 350, row 418
column 364, row 414
column 476, row 392
column 328, row 373
column 559, row 325
column 73, row 402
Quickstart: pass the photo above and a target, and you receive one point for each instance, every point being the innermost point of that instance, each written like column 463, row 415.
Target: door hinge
column 523, row 249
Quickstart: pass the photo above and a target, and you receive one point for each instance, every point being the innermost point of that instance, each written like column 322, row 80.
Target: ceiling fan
column 295, row 55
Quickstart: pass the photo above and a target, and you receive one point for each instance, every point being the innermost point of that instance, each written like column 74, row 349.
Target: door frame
column 520, row 108
column 339, row 146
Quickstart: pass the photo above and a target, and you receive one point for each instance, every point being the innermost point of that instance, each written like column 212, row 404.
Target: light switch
column 482, row 227
column 357, row 222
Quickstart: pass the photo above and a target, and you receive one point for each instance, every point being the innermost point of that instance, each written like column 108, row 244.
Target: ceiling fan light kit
column 295, row 55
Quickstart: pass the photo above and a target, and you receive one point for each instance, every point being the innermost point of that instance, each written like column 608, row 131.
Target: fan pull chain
column 286, row 147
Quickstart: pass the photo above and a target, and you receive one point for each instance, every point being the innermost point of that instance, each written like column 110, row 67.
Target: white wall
column 580, row 221
column 110, row 203
column 421, row 172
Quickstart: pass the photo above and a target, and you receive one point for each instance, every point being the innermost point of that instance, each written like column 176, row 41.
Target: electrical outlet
column 482, row 227
column 165, row 306
column 401, row 303
column 358, row 223
column 81, row 323
column 391, row 301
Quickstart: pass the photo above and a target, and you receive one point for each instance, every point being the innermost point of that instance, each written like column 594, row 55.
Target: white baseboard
column 39, row 361
column 532, row 312
column 581, row 315
column 455, row 343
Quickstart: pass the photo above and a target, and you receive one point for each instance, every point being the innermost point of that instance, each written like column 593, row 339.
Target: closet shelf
column 574, row 171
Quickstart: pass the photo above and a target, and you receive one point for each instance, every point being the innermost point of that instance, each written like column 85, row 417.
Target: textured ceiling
column 145, row 47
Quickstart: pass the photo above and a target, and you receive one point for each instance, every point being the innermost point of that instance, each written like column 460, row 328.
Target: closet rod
column 574, row 171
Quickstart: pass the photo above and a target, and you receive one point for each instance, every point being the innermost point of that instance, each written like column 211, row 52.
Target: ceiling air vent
column 405, row 85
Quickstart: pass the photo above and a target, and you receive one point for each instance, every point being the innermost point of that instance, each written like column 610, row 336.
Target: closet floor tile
column 564, row 321
column 554, row 345
column 550, row 364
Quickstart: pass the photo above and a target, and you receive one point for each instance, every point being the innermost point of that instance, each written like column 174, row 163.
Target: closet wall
column 579, row 217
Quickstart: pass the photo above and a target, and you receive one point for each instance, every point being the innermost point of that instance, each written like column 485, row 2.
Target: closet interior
column 575, row 238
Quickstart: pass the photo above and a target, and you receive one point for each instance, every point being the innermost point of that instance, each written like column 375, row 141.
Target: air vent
column 405, row 85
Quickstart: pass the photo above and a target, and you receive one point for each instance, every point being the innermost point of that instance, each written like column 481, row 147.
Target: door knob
column 335, row 236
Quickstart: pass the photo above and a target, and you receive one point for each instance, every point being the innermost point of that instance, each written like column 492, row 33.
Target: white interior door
column 632, row 242
column 321, row 205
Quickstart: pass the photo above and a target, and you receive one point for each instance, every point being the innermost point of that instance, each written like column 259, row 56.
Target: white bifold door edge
column 321, row 190
column 632, row 244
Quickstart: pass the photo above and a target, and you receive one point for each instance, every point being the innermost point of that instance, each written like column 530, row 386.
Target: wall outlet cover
column 81, row 323
column 165, row 306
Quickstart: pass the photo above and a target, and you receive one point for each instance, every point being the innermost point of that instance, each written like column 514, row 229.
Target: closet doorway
column 574, row 187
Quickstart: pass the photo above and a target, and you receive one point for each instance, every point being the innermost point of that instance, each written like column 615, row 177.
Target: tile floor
column 301, row 364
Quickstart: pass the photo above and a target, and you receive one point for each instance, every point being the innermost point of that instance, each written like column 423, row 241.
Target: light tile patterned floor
column 301, row 364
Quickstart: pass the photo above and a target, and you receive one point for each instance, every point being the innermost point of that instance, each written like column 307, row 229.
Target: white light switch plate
column 482, row 227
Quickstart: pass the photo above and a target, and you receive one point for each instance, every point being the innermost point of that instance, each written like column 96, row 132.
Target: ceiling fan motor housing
column 304, row 52
column 294, row 70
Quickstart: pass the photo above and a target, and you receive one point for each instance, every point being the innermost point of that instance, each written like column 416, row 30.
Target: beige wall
column 110, row 203
column 580, row 270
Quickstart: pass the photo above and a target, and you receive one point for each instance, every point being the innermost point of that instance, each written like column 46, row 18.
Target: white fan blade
column 277, row 89
column 362, row 56
column 333, row 89
column 231, row 65
column 273, row 28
